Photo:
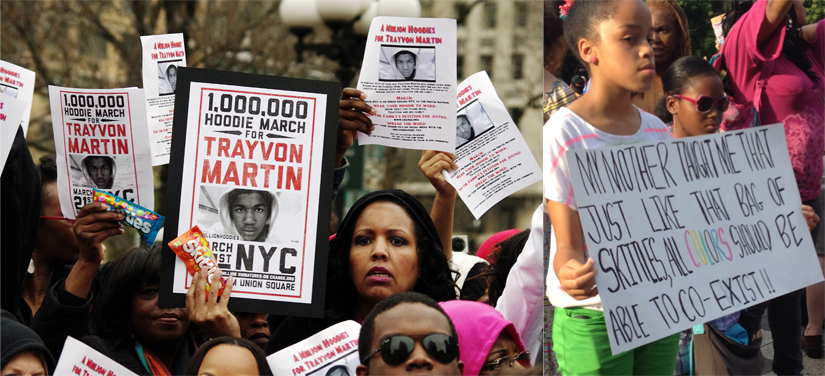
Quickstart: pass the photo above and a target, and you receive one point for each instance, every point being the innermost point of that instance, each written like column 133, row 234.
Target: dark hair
column 197, row 358
column 268, row 198
column 676, row 79
column 111, row 315
column 48, row 174
column 582, row 20
column 793, row 46
column 171, row 66
column 553, row 29
column 108, row 160
column 403, row 52
column 368, row 326
column 435, row 277
column 504, row 257
column 682, row 22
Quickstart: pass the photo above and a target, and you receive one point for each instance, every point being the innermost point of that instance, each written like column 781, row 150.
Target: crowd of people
column 526, row 303
column 642, row 80
column 389, row 250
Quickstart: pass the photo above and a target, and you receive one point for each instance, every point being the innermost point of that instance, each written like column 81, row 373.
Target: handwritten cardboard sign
column 79, row 359
column 686, row 231
column 332, row 351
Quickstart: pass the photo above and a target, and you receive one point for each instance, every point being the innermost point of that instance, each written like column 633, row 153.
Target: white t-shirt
column 567, row 131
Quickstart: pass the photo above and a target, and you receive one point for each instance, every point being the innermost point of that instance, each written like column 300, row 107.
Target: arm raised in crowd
column 93, row 225
column 775, row 13
column 443, row 211
column 65, row 308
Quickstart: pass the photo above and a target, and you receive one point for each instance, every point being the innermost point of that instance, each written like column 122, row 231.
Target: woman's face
column 228, row 360
column 666, row 35
column 463, row 128
column 153, row 324
column 26, row 363
column 383, row 254
column 504, row 347
column 688, row 121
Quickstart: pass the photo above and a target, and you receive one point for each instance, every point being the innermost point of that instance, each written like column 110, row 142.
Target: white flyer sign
column 80, row 359
column 18, row 82
column 409, row 77
column 493, row 159
column 162, row 55
column 332, row 351
column 101, row 141
column 11, row 112
column 685, row 231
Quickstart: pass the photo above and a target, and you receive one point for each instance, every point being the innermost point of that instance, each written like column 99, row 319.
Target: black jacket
column 123, row 351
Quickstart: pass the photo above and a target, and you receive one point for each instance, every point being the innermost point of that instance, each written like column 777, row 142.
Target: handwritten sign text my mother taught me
column 686, row 231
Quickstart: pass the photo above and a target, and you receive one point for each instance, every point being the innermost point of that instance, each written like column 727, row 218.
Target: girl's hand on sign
column 209, row 313
column 810, row 216
column 352, row 118
column 579, row 280
column 431, row 164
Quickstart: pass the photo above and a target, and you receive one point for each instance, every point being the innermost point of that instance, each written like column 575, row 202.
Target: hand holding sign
column 431, row 164
column 210, row 313
column 351, row 119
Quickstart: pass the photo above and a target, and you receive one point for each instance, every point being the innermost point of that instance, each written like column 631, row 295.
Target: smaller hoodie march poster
column 251, row 166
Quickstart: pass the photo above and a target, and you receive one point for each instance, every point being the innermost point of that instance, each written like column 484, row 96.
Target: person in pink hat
column 490, row 345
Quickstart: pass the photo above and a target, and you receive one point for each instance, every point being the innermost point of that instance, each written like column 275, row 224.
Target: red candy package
column 194, row 250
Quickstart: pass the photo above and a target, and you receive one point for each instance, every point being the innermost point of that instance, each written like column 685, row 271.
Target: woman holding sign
column 386, row 244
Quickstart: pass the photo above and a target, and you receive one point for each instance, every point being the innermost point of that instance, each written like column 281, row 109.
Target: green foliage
column 699, row 13
column 815, row 10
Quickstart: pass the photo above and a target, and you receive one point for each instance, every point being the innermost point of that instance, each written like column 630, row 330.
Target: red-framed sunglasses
column 705, row 103
column 58, row 218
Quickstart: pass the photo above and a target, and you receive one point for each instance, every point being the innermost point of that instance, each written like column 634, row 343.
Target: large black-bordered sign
column 251, row 166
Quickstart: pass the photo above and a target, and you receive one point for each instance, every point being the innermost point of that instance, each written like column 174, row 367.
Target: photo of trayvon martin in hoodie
column 247, row 213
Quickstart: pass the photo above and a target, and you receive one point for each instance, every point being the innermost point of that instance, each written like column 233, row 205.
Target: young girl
column 611, row 38
column 694, row 98
column 693, row 106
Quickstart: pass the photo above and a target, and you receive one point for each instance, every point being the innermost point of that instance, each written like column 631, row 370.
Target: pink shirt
column 789, row 97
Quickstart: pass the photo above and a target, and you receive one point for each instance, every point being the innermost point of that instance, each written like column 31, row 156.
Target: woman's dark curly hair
column 435, row 277
column 111, row 316
column 794, row 47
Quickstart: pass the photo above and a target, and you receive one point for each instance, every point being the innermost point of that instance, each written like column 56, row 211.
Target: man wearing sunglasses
column 408, row 333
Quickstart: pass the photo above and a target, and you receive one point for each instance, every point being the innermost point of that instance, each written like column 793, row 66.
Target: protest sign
column 18, row 82
column 162, row 55
column 685, row 231
column 718, row 29
column 493, row 159
column 332, row 351
column 101, row 141
column 11, row 112
column 409, row 77
column 80, row 359
column 251, row 166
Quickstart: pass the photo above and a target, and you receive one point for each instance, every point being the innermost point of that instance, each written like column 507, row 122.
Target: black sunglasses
column 397, row 349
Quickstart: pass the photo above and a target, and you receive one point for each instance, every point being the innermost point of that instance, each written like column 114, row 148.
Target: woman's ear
column 672, row 104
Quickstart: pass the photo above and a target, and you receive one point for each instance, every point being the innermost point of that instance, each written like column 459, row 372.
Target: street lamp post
column 349, row 20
